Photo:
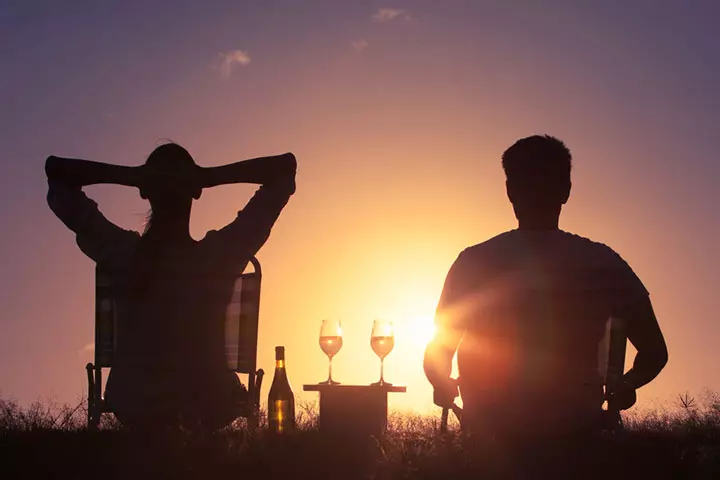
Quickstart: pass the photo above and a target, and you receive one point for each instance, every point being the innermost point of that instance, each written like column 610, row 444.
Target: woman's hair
column 166, row 156
column 145, row 263
column 169, row 155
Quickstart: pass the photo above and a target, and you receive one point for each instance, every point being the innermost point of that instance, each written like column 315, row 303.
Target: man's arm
column 95, row 235
column 439, row 353
column 438, row 367
column 644, row 333
column 631, row 304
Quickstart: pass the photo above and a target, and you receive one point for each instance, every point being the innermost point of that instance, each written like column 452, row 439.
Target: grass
column 45, row 440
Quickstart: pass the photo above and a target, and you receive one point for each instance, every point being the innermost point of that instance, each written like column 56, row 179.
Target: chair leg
column 252, row 420
column 92, row 400
column 617, row 426
column 254, row 417
column 444, row 420
column 611, row 424
column 445, row 414
column 94, row 376
column 99, row 406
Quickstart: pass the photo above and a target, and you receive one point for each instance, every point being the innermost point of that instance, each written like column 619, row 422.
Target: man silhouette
column 527, row 310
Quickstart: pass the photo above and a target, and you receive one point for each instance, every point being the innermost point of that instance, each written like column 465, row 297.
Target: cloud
column 360, row 45
column 384, row 15
column 228, row 60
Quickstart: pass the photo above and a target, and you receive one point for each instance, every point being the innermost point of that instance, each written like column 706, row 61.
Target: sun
column 420, row 329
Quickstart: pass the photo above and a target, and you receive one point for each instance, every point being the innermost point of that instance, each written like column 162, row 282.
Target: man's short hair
column 539, row 158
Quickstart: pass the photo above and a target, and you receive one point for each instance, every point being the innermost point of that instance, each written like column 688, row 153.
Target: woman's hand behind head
column 170, row 181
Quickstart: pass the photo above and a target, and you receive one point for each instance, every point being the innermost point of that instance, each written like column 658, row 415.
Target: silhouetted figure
column 527, row 310
column 169, row 367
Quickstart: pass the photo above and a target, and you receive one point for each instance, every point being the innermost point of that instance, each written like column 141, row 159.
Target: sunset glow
column 421, row 330
column 398, row 121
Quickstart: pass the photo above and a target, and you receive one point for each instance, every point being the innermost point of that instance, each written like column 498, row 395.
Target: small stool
column 357, row 410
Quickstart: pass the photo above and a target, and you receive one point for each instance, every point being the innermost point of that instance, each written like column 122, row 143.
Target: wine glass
column 382, row 341
column 330, row 343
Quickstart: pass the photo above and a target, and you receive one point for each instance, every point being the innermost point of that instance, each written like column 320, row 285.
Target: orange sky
column 398, row 145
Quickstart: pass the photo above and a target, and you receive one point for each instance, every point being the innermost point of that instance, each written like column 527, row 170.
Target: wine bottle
column 281, row 401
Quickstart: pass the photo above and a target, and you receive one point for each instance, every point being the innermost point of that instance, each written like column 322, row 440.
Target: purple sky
column 398, row 113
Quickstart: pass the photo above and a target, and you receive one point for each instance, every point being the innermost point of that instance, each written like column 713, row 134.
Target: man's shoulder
column 586, row 248
column 490, row 246
column 569, row 259
column 609, row 269
column 494, row 251
column 514, row 243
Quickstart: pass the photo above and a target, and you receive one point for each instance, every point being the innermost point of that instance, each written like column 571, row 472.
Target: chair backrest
column 241, row 321
column 106, row 281
column 611, row 355
column 241, row 317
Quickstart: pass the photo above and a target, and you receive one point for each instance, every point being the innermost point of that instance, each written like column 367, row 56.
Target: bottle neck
column 280, row 373
column 280, row 377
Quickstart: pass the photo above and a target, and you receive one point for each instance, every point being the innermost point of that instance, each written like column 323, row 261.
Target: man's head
column 169, row 183
column 538, row 184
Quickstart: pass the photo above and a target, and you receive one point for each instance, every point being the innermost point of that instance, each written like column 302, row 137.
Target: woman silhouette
column 169, row 366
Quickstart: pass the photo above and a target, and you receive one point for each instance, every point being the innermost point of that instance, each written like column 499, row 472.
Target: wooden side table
column 353, row 409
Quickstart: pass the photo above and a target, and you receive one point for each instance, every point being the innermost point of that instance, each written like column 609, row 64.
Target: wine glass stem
column 330, row 371
column 382, row 368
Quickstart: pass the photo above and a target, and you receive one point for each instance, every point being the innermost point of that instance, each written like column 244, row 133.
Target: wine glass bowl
column 330, row 343
column 382, row 346
column 382, row 341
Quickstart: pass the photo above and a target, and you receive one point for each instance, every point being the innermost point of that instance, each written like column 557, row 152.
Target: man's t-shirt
column 533, row 308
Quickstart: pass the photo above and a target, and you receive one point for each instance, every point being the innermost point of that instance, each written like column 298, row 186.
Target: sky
column 398, row 114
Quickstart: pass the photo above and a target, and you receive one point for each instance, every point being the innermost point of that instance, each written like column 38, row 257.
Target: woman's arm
column 79, row 173
column 96, row 236
column 278, row 169
column 242, row 238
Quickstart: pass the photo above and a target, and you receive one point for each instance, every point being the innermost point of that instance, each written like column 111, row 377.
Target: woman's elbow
column 662, row 358
column 289, row 164
column 289, row 169
column 50, row 165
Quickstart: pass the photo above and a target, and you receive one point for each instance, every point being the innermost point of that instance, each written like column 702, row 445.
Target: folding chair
column 611, row 366
column 241, row 334
column 445, row 414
